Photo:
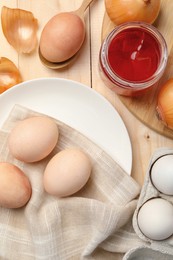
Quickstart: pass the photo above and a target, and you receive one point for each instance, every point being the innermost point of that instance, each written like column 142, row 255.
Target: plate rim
column 87, row 88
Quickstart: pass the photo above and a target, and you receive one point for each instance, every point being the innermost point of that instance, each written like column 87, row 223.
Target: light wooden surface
column 85, row 70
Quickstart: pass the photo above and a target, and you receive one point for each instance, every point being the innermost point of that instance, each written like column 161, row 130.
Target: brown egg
column 32, row 139
column 67, row 172
column 62, row 37
column 15, row 188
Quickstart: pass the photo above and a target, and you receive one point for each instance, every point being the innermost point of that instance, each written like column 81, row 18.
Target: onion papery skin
column 121, row 11
column 20, row 29
column 9, row 74
column 164, row 108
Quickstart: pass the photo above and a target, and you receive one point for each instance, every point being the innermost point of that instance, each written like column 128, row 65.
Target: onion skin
column 9, row 74
column 164, row 108
column 20, row 29
column 121, row 11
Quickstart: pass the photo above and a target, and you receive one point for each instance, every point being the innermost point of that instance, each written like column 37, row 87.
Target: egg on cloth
column 161, row 174
column 62, row 37
column 155, row 219
column 67, row 172
column 15, row 187
column 33, row 138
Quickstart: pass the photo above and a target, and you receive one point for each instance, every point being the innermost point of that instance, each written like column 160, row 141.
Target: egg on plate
column 67, row 172
column 33, row 138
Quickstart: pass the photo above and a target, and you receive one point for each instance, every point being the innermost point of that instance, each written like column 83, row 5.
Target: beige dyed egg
column 62, row 37
column 32, row 139
column 15, row 187
column 67, row 172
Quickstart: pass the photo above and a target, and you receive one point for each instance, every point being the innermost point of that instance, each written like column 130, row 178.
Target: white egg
column 155, row 219
column 162, row 174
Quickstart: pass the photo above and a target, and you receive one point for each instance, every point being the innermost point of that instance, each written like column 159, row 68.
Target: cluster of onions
column 164, row 106
column 120, row 11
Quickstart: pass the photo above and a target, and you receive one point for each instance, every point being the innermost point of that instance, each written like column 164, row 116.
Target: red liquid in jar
column 134, row 54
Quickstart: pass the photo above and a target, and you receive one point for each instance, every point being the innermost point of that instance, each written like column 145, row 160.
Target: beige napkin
column 95, row 223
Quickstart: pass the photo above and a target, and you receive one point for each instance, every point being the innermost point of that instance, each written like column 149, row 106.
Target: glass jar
column 133, row 58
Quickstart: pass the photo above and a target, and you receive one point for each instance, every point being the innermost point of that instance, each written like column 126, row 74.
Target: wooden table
column 85, row 70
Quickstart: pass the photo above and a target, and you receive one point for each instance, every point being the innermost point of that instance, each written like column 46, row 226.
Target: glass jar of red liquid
column 133, row 58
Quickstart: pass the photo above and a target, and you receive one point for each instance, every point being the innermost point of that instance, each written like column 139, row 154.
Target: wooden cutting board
column 144, row 108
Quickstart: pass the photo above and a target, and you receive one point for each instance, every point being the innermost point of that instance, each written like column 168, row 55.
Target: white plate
column 78, row 106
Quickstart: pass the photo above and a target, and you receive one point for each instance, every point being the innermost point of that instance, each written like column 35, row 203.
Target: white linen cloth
column 94, row 223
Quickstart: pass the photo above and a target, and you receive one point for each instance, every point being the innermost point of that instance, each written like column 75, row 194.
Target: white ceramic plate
column 78, row 106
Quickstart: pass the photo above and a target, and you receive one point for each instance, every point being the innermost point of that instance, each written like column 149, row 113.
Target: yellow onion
column 9, row 74
column 19, row 28
column 120, row 11
column 164, row 106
